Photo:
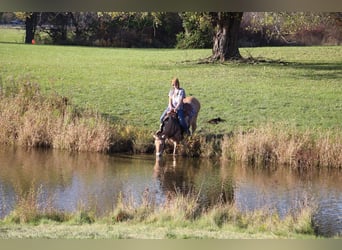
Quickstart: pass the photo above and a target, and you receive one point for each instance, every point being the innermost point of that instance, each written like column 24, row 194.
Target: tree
column 291, row 28
column 31, row 24
column 31, row 19
column 86, row 24
column 197, row 31
column 56, row 25
column 227, row 26
column 140, row 29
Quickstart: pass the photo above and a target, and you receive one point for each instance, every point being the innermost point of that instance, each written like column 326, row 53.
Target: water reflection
column 203, row 178
column 68, row 181
column 174, row 177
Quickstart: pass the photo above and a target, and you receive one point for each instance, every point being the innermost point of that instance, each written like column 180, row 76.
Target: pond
column 68, row 181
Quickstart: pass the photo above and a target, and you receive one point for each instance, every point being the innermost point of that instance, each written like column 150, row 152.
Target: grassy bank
column 30, row 119
column 282, row 145
column 182, row 216
column 129, row 230
column 299, row 86
column 283, row 110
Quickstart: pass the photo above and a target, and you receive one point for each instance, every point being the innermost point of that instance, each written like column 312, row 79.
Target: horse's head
column 159, row 142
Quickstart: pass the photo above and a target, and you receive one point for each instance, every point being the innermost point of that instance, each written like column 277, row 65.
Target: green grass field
column 131, row 85
column 10, row 34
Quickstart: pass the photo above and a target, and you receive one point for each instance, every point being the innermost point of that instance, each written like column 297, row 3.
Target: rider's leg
column 182, row 122
column 164, row 114
column 162, row 120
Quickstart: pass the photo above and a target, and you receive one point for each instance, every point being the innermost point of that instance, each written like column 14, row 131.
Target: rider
column 176, row 96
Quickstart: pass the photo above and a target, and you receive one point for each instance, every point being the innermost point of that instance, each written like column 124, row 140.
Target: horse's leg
column 194, row 124
column 174, row 147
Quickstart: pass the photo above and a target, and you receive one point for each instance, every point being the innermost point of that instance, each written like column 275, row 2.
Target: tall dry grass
column 29, row 118
column 280, row 144
column 33, row 206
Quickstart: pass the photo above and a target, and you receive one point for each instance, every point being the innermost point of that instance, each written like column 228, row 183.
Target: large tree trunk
column 31, row 23
column 227, row 33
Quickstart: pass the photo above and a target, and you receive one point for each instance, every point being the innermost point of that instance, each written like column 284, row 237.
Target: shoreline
column 31, row 119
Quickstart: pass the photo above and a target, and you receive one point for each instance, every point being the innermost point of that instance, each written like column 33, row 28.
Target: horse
column 171, row 129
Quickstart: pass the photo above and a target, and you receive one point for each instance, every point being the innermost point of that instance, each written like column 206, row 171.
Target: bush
column 195, row 40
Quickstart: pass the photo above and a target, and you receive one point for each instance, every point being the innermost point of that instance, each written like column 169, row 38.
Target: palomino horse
column 171, row 128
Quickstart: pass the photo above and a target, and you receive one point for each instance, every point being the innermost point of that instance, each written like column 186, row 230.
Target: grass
column 283, row 109
column 134, row 231
column 9, row 34
column 280, row 145
column 181, row 217
column 131, row 85
column 31, row 119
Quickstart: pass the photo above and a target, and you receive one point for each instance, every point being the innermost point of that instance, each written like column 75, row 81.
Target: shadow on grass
column 332, row 71
column 313, row 70
column 7, row 42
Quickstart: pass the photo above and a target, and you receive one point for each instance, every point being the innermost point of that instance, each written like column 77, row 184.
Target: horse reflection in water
column 171, row 178
column 181, row 177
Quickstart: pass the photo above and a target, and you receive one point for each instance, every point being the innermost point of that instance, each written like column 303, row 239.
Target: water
column 68, row 181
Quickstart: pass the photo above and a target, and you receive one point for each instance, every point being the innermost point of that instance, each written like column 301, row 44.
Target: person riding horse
column 177, row 118
column 176, row 105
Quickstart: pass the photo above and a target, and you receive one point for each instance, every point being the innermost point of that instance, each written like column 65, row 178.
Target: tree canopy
column 224, row 32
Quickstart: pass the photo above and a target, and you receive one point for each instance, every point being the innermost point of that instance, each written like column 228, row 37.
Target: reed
column 275, row 144
column 30, row 119
column 33, row 207
column 329, row 149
